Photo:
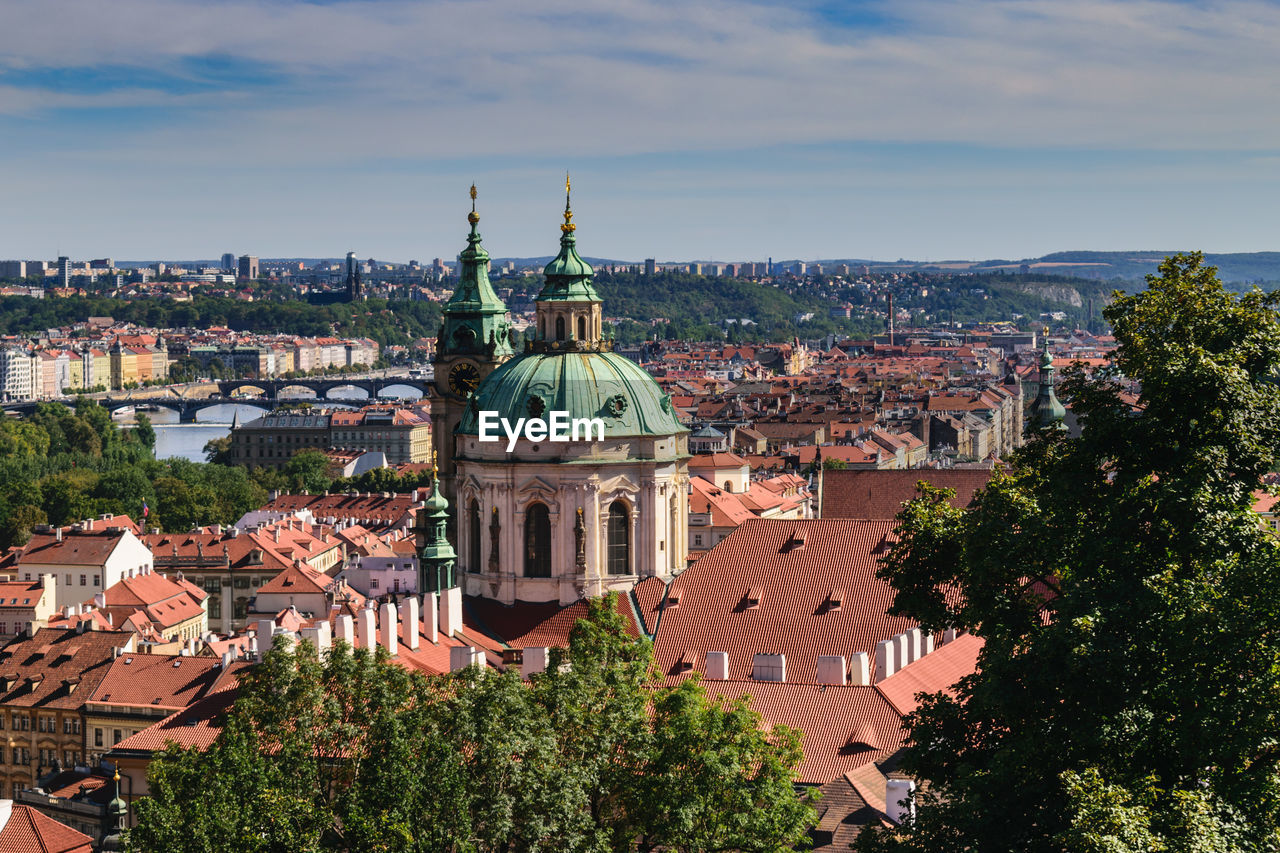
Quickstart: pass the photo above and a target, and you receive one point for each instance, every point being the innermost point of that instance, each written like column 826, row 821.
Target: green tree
column 1125, row 591
column 350, row 751
column 308, row 471
column 145, row 433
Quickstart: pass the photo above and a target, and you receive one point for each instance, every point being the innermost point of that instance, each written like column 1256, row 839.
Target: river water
column 188, row 440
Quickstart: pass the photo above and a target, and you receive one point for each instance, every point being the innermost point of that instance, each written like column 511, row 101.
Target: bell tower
column 475, row 337
column 569, row 315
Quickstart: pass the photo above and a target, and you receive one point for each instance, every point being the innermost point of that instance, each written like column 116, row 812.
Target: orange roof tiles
column 56, row 667
column 881, row 493
column 936, row 672
column 793, row 582
column 835, row 722
column 157, row 681
column 31, row 831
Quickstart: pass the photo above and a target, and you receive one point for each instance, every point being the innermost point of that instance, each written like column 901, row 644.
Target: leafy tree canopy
column 349, row 751
column 1126, row 696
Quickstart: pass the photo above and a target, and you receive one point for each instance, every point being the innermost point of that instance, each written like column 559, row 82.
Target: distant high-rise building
column 248, row 267
column 695, row 269
column 13, row 269
column 650, row 266
column 64, row 271
column 769, row 269
column 354, row 288
column 229, row 261
column 102, row 264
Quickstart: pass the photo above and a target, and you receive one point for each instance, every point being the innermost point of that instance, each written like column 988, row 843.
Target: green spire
column 568, row 275
column 437, row 560
column 474, row 317
column 1047, row 412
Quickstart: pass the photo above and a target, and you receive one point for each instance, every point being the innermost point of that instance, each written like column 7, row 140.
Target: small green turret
column 437, row 561
column 1047, row 412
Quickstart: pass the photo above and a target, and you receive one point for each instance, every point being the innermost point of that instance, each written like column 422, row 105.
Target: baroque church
column 552, row 521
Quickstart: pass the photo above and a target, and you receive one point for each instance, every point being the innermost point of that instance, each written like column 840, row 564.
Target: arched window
column 582, row 328
column 559, row 328
column 728, row 486
column 537, row 541
column 473, row 536
column 619, row 539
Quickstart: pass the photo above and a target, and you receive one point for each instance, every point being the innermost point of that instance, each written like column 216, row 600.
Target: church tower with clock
column 475, row 337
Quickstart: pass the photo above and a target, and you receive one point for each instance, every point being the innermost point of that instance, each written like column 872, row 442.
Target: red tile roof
column 530, row 625
column 880, row 494
column 649, row 595
column 56, row 667
column 843, row 727
column 30, row 831
column 157, row 681
column 792, row 566
column 936, row 672
column 73, row 549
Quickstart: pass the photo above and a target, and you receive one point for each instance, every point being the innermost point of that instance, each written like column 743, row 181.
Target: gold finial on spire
column 435, row 469
column 568, row 226
column 473, row 217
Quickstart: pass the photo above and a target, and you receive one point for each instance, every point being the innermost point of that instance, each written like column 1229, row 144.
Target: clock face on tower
column 464, row 378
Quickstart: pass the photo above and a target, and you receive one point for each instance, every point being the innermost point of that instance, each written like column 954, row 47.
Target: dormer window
column 834, row 599
column 753, row 597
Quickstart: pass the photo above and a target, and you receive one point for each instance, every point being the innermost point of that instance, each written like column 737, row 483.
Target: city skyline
column 724, row 132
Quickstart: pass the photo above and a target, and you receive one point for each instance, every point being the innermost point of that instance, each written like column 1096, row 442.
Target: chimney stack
column 365, row 622
column 389, row 628
column 451, row 611
column 346, row 629
column 533, row 661
column 860, row 669
column 461, row 657
column 410, row 623
column 319, row 636
column 266, row 635
column 718, row 666
column 915, row 645
column 769, row 667
column 885, row 660
column 900, row 652
column 898, row 804
column 831, row 670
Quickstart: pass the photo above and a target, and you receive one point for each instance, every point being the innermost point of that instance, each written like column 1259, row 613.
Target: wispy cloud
column 186, row 94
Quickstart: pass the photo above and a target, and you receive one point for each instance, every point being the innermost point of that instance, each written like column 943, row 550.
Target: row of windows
column 537, row 540
column 48, row 725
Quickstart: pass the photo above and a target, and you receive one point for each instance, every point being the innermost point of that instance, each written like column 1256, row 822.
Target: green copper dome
column 583, row 384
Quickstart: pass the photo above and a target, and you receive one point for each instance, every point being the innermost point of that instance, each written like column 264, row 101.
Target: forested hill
column 387, row 323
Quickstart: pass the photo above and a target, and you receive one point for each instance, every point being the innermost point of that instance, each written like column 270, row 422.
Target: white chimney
column 318, row 636
column 915, row 645
column 718, row 666
column 860, row 669
column 831, row 670
column 886, row 665
column 898, row 804
column 266, row 632
column 900, row 659
column 366, row 621
column 534, row 661
column 409, row 624
column 769, row 667
column 100, row 600
column 227, row 657
column 431, row 617
column 461, row 657
column 389, row 629
column 927, row 648
column 346, row 632
column 949, row 636
column 451, row 611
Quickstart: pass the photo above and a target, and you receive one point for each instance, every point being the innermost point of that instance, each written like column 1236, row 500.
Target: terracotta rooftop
column 880, row 494
column 843, row 727
column 528, row 625
column 936, row 672
column 56, row 667
column 157, row 681
column 30, row 831
column 75, row 548
column 767, row 588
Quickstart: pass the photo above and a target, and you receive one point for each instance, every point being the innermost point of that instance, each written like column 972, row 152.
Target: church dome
column 583, row 384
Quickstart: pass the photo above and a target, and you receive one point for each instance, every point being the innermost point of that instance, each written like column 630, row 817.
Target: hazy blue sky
column 706, row 129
